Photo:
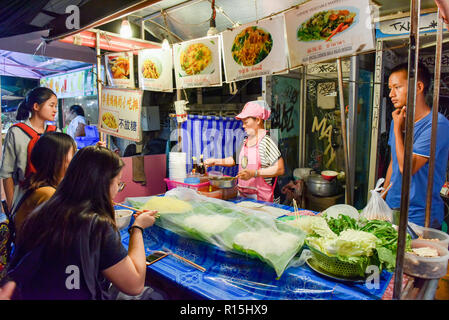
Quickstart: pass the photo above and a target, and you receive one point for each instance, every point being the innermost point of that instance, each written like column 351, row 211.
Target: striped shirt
column 269, row 154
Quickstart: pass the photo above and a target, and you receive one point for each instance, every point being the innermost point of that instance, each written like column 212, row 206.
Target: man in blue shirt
column 397, row 83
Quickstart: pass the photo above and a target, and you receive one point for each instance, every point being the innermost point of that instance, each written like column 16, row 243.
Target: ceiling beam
column 170, row 9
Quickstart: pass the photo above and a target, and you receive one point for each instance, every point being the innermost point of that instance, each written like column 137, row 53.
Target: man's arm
column 417, row 161
column 388, row 178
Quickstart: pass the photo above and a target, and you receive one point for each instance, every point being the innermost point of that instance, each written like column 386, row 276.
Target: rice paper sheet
column 227, row 226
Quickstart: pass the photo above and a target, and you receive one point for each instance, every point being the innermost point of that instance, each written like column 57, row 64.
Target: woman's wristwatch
column 255, row 173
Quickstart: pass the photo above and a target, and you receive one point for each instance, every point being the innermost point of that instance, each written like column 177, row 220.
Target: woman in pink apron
column 251, row 176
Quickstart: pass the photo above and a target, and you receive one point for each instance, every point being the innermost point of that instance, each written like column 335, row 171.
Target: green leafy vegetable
column 341, row 223
column 314, row 225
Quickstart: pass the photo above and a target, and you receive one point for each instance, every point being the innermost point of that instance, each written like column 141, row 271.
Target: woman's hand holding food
column 145, row 218
column 246, row 174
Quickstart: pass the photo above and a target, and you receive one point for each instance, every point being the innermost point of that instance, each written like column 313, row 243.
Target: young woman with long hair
column 38, row 107
column 50, row 156
column 70, row 248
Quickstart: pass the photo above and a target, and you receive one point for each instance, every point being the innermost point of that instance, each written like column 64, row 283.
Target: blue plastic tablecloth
column 231, row 276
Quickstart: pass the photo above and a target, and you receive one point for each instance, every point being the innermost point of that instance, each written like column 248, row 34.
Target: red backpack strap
column 50, row 128
column 34, row 136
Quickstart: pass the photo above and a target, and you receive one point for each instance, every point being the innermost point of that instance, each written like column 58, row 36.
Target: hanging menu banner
column 68, row 85
column 119, row 113
column 322, row 30
column 155, row 70
column 198, row 63
column 254, row 50
column 120, row 69
column 401, row 26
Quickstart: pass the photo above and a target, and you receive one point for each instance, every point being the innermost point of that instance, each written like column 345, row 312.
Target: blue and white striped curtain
column 213, row 137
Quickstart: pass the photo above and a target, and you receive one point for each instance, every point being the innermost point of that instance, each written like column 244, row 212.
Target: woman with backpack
column 70, row 248
column 50, row 157
column 39, row 106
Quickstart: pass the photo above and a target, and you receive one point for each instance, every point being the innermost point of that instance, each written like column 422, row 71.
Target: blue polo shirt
column 418, row 187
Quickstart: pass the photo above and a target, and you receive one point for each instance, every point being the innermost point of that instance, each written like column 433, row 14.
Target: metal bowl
column 223, row 182
column 319, row 186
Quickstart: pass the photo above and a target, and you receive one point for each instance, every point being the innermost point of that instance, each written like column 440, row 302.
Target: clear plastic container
column 426, row 267
column 212, row 174
column 433, row 235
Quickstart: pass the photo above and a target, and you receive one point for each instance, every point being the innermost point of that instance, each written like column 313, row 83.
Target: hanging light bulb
column 125, row 29
column 165, row 44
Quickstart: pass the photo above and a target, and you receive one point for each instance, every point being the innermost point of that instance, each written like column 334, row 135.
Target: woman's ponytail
column 37, row 95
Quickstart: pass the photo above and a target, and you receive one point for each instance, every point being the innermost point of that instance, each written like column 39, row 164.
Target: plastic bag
column 231, row 228
column 377, row 208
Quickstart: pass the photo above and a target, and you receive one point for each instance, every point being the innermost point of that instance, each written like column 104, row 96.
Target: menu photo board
column 120, row 69
column 120, row 112
column 155, row 70
column 322, row 30
column 254, row 50
column 198, row 63
column 67, row 85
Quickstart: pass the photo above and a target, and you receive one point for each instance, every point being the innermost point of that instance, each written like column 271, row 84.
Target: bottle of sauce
column 202, row 167
column 195, row 165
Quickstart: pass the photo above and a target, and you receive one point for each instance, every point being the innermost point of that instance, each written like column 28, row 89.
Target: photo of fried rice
column 150, row 69
column 195, row 58
column 119, row 66
column 325, row 24
column 251, row 46
column 109, row 120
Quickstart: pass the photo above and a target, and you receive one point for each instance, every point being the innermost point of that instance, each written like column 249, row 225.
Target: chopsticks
column 295, row 207
column 189, row 262
column 202, row 269
column 131, row 208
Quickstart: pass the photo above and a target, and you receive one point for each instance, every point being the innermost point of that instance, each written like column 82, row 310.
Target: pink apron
column 254, row 187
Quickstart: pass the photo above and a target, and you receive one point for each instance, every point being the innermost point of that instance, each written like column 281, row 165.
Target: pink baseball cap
column 256, row 109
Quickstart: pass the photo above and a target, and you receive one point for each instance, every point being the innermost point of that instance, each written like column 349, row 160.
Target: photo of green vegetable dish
column 325, row 24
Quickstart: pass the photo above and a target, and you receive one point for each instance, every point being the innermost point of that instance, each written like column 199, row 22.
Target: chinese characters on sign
column 119, row 113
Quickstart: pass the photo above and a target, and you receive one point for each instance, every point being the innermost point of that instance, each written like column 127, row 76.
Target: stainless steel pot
column 319, row 186
column 223, row 182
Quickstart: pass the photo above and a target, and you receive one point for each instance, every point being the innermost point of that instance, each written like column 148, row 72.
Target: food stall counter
column 231, row 276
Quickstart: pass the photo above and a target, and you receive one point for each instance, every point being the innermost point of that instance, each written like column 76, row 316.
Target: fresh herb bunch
column 341, row 223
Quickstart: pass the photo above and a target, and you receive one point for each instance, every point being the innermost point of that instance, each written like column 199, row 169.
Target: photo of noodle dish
column 251, row 46
column 195, row 58
column 109, row 121
column 151, row 68
column 324, row 25
column 119, row 67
